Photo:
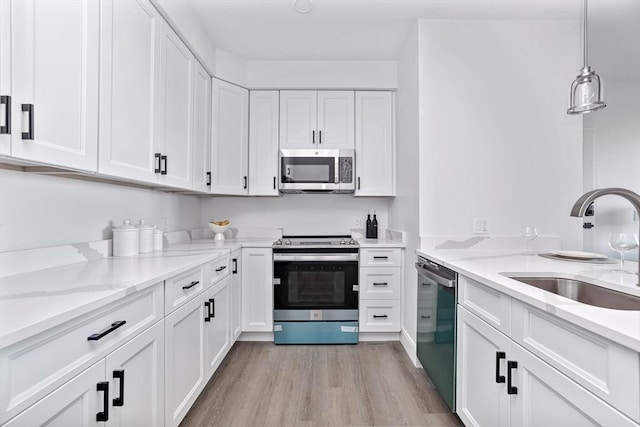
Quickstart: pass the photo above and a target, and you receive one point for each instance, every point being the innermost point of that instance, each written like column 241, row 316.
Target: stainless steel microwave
column 317, row 171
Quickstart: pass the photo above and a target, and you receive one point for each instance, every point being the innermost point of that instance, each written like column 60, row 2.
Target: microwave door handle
column 337, row 170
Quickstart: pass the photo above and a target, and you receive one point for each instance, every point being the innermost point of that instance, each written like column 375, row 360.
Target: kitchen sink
column 583, row 292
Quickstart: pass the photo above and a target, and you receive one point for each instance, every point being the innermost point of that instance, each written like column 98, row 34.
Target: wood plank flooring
column 369, row 384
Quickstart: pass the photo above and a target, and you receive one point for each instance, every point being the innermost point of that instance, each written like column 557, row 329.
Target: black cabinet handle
column 381, row 284
column 164, row 169
column 208, row 179
column 245, row 183
column 313, row 136
column 380, row 257
column 212, row 307
column 104, row 415
column 29, row 109
column 6, row 101
column 499, row 355
column 381, row 316
column 511, row 364
column 207, row 317
column 358, row 183
column 113, row 327
column 190, row 285
column 274, row 182
column 221, row 268
column 158, row 168
column 235, row 266
column 319, row 137
column 119, row 375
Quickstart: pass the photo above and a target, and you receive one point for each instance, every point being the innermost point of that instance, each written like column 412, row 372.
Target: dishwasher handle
column 446, row 281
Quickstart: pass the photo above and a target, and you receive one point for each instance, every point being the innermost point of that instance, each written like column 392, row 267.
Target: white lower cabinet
column 216, row 331
column 499, row 383
column 185, row 350
column 257, row 294
column 380, row 280
column 236, row 294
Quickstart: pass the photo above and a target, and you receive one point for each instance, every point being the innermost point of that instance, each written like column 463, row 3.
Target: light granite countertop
column 491, row 267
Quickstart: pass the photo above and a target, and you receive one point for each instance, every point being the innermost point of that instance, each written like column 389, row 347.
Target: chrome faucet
column 581, row 205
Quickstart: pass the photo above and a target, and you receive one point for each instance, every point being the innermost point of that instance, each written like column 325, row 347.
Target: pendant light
column 586, row 90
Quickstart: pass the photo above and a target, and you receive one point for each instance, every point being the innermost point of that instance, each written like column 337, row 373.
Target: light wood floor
column 369, row 384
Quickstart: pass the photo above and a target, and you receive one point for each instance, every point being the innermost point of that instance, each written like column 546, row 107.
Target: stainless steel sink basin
column 583, row 292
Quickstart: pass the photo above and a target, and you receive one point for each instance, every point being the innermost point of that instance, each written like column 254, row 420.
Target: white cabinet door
column 5, row 78
column 184, row 355
column 217, row 334
column 336, row 119
column 298, row 118
column 230, row 142
column 54, row 60
column 136, row 380
column 375, row 152
column 76, row 403
column 481, row 357
column 257, row 291
column 129, row 89
column 176, row 109
column 201, row 129
column 263, row 142
column 236, row 294
column 546, row 397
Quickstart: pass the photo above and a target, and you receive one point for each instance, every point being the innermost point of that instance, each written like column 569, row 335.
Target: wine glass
column 528, row 233
column 623, row 242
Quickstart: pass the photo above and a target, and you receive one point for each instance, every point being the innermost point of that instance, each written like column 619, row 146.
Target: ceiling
column 347, row 29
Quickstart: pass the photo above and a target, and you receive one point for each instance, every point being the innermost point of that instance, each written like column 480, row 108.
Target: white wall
column 38, row 210
column 404, row 209
column 495, row 141
column 231, row 68
column 322, row 75
column 296, row 213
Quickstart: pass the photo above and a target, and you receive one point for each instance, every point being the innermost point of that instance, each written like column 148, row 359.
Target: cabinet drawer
column 183, row 287
column 35, row 367
column 490, row 305
column 218, row 269
column 606, row 369
column 379, row 316
column 380, row 283
column 383, row 257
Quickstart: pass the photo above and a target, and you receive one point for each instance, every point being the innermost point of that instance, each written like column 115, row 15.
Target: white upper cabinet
column 5, row 78
column 202, row 129
column 316, row 119
column 130, row 42
column 230, row 141
column 54, row 80
column 263, row 142
column 335, row 119
column 375, row 144
column 176, row 110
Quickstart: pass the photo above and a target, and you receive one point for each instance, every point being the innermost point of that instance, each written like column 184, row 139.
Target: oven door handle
column 315, row 257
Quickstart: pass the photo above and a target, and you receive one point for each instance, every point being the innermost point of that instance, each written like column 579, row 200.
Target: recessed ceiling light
column 303, row 6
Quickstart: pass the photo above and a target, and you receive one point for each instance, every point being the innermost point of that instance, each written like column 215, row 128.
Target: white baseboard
column 256, row 336
column 410, row 347
column 378, row 336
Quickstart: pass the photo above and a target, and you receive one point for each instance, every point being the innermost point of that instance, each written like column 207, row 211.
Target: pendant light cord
column 584, row 28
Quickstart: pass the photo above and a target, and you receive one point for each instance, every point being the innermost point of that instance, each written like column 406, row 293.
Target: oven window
column 308, row 170
column 316, row 288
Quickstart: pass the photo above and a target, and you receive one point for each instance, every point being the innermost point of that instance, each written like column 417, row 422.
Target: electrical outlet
column 358, row 222
column 480, row 226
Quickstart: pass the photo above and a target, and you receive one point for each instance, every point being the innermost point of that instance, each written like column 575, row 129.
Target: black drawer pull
column 245, row 183
column 158, row 168
column 104, row 415
column 28, row 108
column 207, row 317
column 164, row 169
column 119, row 401
column 221, row 268
column 380, row 257
column 191, row 285
column 235, row 266
column 381, row 284
column 499, row 355
column 6, row 101
column 319, row 137
column 274, row 182
column 113, row 327
column 212, row 307
column 380, row 316
column 425, row 317
column 511, row 364
column 208, row 179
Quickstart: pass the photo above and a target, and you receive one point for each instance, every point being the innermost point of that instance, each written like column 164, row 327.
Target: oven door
column 318, row 287
column 309, row 170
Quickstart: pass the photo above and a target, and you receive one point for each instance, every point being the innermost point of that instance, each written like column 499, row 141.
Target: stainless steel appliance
column 315, row 290
column 436, row 337
column 317, row 171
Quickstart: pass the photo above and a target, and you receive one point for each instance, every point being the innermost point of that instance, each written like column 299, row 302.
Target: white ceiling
column 347, row 29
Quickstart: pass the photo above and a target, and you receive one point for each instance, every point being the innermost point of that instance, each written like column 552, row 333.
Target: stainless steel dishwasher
column 436, row 332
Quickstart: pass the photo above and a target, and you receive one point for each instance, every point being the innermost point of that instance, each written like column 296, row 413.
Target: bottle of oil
column 374, row 226
column 369, row 230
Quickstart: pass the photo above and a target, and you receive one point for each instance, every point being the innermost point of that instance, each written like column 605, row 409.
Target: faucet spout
column 581, row 205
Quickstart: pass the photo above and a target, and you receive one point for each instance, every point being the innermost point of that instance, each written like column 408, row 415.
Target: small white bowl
column 219, row 230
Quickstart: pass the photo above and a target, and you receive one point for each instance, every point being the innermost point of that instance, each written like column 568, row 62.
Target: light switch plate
column 480, row 226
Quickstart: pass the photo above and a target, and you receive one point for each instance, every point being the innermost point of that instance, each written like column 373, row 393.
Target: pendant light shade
column 586, row 90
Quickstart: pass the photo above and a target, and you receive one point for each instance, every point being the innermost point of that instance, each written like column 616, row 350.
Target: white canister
column 146, row 237
column 126, row 240
column 158, row 238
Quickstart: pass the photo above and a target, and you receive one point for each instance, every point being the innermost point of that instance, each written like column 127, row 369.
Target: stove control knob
column 343, row 242
column 352, row 242
column 278, row 242
column 287, row 242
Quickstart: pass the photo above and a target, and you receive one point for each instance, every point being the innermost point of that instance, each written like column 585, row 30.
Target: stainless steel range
column 315, row 290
